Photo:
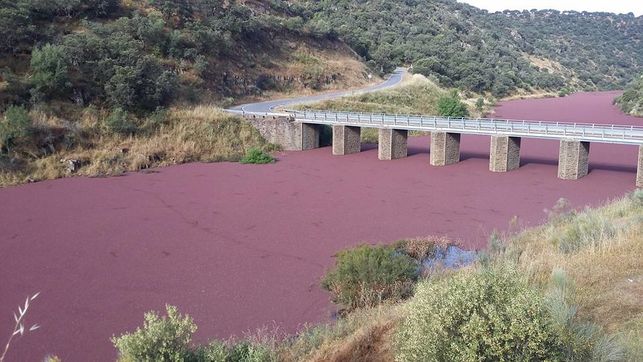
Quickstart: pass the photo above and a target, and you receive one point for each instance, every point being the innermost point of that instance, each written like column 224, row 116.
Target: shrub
column 249, row 352
column 14, row 127
column 422, row 248
column 119, row 122
column 215, row 351
column 368, row 275
column 257, row 156
column 488, row 315
column 50, row 73
column 451, row 106
column 165, row 338
column 480, row 104
column 584, row 230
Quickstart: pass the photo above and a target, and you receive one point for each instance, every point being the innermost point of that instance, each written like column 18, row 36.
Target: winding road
column 267, row 106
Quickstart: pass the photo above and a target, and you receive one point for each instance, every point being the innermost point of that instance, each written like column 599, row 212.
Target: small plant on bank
column 257, row 156
column 368, row 275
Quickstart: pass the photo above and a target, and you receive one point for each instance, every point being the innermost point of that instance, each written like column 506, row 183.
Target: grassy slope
column 185, row 134
column 417, row 95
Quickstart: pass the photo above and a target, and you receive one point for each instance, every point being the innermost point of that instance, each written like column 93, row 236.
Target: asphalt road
column 268, row 106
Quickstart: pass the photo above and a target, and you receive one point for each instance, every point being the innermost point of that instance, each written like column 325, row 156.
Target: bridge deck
column 630, row 135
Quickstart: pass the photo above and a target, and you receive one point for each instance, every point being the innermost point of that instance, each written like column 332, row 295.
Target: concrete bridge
column 300, row 130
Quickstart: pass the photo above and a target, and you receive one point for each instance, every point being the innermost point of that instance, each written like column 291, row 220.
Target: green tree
column 451, row 106
column 14, row 127
column 50, row 70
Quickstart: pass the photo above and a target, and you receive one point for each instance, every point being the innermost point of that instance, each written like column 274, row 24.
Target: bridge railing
column 484, row 126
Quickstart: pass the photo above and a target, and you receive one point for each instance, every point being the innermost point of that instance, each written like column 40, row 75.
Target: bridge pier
column 445, row 148
column 639, row 169
column 504, row 155
column 309, row 136
column 392, row 144
column 573, row 159
column 346, row 140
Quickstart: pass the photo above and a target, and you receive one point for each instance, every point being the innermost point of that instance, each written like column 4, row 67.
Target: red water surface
column 243, row 246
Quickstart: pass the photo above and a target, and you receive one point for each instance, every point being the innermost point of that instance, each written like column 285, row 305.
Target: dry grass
column 363, row 335
column 604, row 263
column 417, row 96
column 203, row 134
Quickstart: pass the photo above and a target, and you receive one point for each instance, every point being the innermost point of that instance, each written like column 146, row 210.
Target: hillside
column 469, row 48
column 102, row 87
column 631, row 101
column 140, row 55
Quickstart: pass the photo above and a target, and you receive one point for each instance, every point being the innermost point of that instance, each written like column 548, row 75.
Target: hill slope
column 140, row 55
column 467, row 47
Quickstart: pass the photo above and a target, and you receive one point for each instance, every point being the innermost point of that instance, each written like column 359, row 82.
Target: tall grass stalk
column 19, row 328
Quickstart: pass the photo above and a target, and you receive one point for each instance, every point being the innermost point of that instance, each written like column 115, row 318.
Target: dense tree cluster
column 469, row 48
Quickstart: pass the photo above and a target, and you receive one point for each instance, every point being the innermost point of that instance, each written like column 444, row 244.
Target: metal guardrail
column 631, row 135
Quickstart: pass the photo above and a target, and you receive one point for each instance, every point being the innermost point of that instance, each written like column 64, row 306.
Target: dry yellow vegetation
column 194, row 134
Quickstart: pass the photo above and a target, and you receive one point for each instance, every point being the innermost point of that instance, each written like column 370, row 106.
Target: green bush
column 50, row 72
column 14, row 127
column 480, row 104
column 257, row 156
column 491, row 315
column 451, row 106
column 249, row 352
column 120, row 122
column 215, row 351
column 368, row 275
column 165, row 338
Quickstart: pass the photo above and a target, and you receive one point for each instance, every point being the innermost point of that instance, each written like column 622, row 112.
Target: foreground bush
column 168, row 338
column 488, row 315
column 257, row 156
column 368, row 275
column 164, row 338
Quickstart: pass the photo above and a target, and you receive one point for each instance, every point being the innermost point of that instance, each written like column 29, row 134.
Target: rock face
column 445, row 148
column 346, row 140
column 504, row 154
column 392, row 144
column 573, row 159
